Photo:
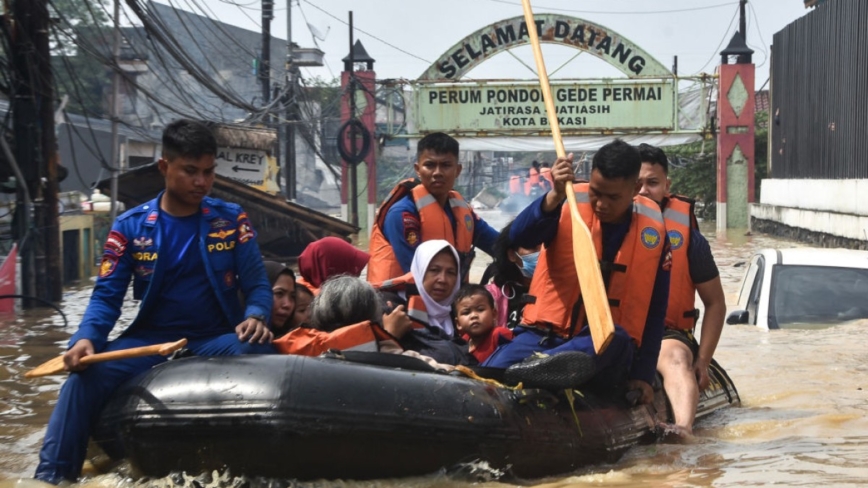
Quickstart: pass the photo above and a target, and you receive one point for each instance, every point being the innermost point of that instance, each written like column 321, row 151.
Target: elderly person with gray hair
column 344, row 300
column 345, row 315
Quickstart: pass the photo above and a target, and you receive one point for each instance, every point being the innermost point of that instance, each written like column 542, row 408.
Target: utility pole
column 742, row 20
column 265, row 63
column 115, row 110
column 35, row 151
column 353, row 193
column 289, row 170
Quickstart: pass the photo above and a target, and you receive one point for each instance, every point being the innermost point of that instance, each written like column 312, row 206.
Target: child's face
column 476, row 317
column 301, row 315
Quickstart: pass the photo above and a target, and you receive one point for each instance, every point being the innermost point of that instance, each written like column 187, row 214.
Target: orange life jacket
column 302, row 341
column 532, row 180
column 416, row 309
column 435, row 224
column 515, row 185
column 680, row 219
column 631, row 277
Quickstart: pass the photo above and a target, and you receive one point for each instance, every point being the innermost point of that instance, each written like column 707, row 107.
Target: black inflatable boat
column 363, row 416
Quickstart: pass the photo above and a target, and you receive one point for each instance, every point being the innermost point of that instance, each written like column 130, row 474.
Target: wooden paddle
column 56, row 365
column 584, row 255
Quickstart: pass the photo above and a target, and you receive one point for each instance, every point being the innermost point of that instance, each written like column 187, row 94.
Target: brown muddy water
column 803, row 421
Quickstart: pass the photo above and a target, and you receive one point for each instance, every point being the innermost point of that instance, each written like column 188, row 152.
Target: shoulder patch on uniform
column 650, row 237
column 412, row 228
column 245, row 228
column 468, row 222
column 108, row 265
column 676, row 239
column 115, row 243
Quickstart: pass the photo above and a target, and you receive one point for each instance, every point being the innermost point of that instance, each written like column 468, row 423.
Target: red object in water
column 7, row 281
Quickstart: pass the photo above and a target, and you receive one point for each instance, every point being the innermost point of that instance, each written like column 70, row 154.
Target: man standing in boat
column 188, row 256
column 683, row 362
column 630, row 238
column 414, row 213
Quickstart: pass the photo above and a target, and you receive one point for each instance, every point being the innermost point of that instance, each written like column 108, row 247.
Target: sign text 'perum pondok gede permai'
column 518, row 107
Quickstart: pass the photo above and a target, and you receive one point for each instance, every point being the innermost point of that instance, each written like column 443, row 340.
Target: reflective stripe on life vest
column 681, row 312
column 311, row 342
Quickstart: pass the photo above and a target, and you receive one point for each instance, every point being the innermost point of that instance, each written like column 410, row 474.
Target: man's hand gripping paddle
column 584, row 255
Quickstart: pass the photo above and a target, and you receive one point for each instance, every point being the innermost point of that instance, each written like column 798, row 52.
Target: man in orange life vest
column 415, row 212
column 630, row 239
column 683, row 362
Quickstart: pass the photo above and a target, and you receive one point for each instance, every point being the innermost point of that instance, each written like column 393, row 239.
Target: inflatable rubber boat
column 366, row 415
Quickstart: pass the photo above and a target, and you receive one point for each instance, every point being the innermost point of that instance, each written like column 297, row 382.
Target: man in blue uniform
column 188, row 256
column 430, row 210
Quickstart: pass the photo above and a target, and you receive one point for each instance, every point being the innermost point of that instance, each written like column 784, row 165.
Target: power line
column 722, row 40
column 367, row 33
column 631, row 12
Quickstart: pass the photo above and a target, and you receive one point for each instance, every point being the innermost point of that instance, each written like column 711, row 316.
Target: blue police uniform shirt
column 186, row 297
column 394, row 230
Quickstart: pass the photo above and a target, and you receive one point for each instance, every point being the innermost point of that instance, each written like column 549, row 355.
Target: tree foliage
column 694, row 168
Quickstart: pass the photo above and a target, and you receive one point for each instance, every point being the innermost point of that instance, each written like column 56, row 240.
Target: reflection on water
column 804, row 419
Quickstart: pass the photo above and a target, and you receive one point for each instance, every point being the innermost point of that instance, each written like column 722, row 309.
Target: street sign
column 243, row 165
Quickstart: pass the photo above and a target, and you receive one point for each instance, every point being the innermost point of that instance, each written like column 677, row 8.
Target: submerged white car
column 803, row 288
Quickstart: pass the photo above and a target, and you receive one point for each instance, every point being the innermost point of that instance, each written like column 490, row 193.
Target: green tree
column 694, row 168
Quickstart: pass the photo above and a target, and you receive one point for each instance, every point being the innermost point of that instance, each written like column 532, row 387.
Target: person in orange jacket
column 683, row 361
column 427, row 209
column 630, row 240
column 345, row 315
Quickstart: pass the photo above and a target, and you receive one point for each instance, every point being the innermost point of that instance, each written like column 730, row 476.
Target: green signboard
column 584, row 107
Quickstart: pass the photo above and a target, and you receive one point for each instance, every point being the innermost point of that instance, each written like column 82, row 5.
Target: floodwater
column 803, row 421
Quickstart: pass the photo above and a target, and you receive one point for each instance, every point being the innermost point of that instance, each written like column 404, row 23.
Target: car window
column 817, row 295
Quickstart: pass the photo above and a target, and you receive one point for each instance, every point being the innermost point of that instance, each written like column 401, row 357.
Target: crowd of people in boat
column 196, row 268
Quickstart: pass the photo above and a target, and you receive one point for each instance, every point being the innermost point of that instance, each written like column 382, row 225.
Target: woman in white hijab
column 435, row 271
column 435, row 282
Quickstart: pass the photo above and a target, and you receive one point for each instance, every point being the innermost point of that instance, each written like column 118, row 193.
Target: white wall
column 835, row 207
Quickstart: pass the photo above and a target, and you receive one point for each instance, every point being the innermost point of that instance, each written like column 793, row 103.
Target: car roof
column 812, row 256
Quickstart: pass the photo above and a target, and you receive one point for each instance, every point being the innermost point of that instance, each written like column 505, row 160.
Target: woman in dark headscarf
column 327, row 257
column 282, row 281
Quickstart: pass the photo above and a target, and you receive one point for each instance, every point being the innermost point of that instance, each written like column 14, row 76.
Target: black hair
column 535, row 164
column 188, row 139
column 468, row 290
column 301, row 288
column 438, row 143
column 274, row 270
column 504, row 270
column 654, row 155
column 617, row 159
